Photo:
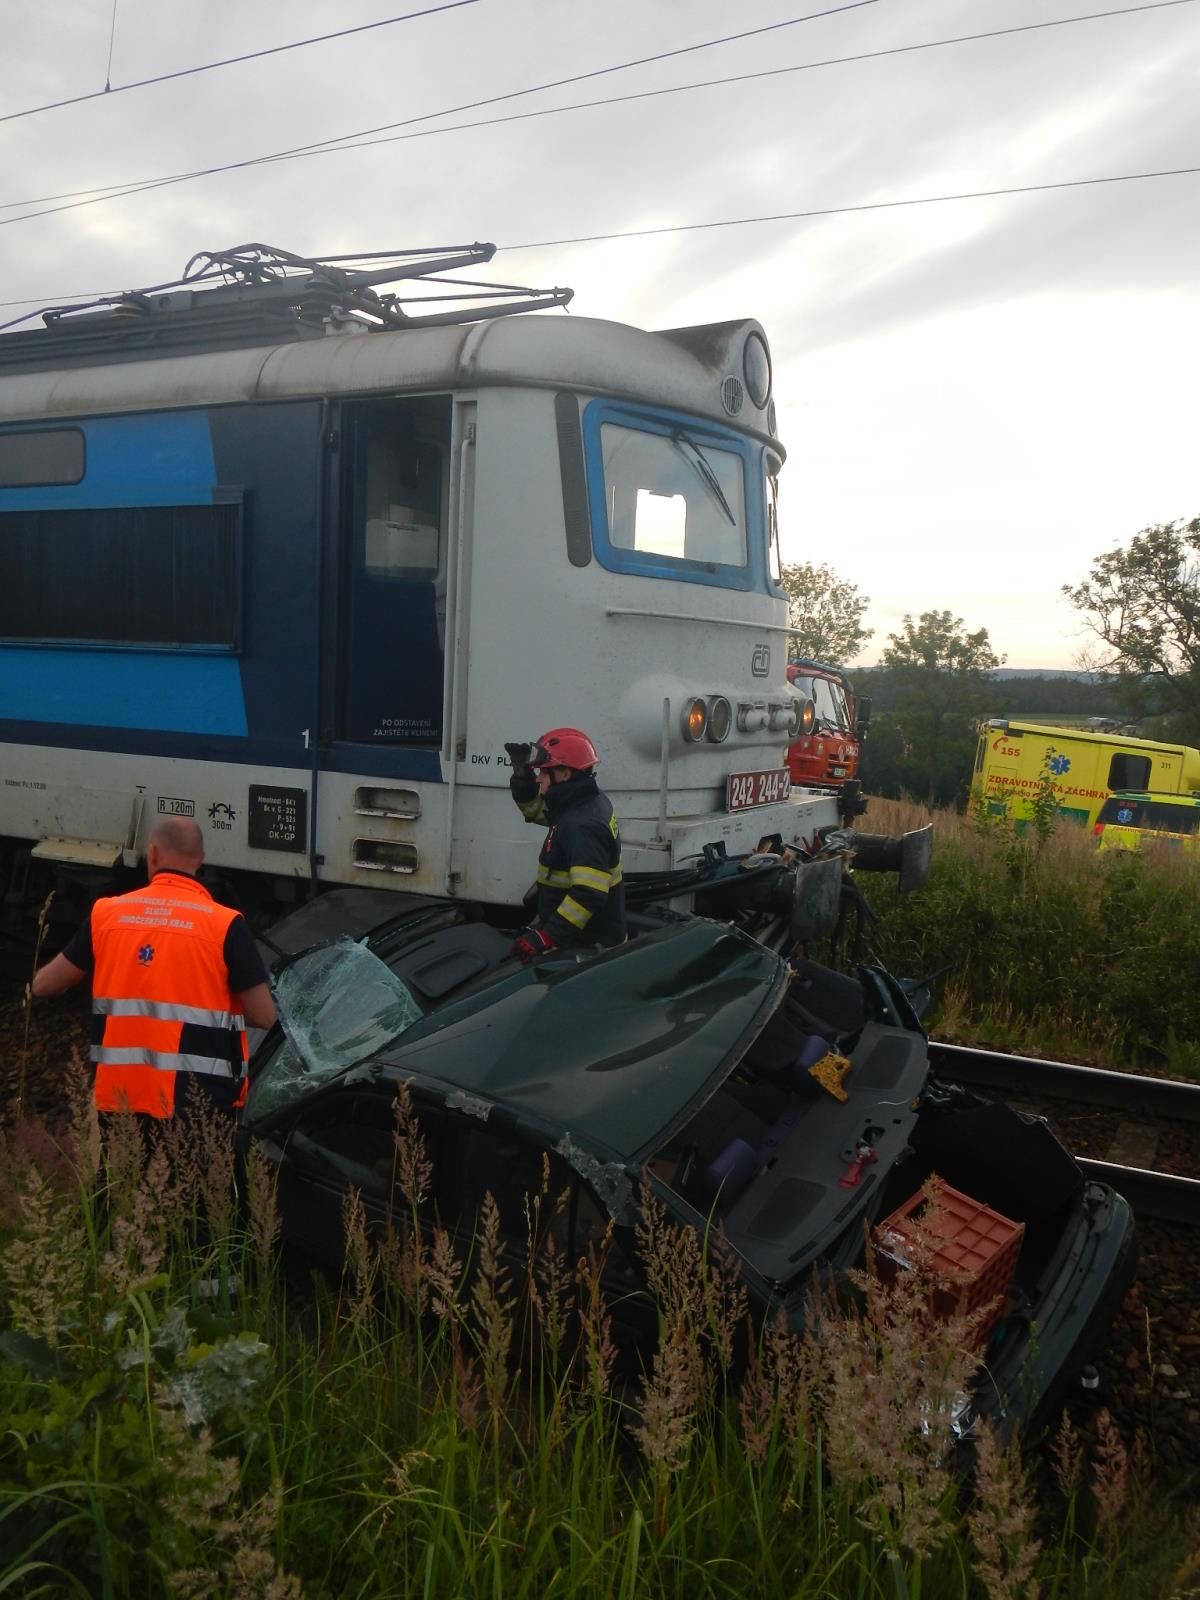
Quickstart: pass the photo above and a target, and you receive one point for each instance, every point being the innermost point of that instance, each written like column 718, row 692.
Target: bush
column 1047, row 942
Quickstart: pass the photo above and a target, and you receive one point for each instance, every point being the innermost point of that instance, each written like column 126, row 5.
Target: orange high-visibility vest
column 161, row 1001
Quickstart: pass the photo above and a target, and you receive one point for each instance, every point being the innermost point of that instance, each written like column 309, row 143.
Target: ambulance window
column 1129, row 772
column 1166, row 818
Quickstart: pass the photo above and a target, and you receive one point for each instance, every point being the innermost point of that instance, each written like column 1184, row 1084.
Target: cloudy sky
column 977, row 396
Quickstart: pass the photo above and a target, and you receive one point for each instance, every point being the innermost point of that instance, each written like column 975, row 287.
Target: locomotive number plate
column 746, row 789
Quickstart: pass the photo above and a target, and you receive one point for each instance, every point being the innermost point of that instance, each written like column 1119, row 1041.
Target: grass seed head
column 1110, row 1473
column 414, row 1169
column 1066, row 1457
column 1001, row 1521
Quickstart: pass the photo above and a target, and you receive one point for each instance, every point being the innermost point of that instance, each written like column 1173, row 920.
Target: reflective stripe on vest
column 162, row 1000
column 163, row 1011
column 162, row 1062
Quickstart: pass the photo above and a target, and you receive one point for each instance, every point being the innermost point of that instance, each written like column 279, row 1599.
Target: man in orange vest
column 176, row 980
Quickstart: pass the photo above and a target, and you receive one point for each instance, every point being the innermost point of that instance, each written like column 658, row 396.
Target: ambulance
column 1014, row 759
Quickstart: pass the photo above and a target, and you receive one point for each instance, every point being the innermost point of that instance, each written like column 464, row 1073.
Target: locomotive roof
column 682, row 368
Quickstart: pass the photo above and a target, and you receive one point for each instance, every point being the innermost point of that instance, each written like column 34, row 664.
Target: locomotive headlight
column 695, row 720
column 756, row 369
column 720, row 719
column 808, row 715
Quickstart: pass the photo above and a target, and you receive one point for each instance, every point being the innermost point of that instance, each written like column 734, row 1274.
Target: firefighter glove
column 531, row 943
column 523, row 756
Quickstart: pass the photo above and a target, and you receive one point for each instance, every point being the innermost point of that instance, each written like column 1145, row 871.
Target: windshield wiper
column 704, row 467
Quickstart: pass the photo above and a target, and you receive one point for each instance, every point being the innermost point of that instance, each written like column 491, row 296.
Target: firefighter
column 580, row 896
column 176, row 980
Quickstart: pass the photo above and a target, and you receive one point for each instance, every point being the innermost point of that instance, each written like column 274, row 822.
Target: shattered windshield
column 338, row 1004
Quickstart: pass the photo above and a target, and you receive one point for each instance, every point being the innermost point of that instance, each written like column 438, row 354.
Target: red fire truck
column 826, row 755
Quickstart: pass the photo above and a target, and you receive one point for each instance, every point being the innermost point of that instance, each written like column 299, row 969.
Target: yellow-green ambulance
column 1014, row 759
column 1150, row 821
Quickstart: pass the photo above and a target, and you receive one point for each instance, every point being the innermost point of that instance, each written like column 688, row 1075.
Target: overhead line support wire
column 320, row 146
column 144, row 185
column 230, row 61
column 704, row 83
column 794, row 216
column 841, row 211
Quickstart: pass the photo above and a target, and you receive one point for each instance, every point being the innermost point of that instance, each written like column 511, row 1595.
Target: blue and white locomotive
column 295, row 558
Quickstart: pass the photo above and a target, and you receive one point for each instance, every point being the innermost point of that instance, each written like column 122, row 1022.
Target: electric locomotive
column 294, row 557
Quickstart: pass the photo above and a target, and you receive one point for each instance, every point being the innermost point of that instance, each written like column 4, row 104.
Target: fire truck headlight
column 695, row 720
column 720, row 719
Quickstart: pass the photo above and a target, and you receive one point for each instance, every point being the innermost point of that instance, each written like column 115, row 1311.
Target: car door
column 347, row 1139
column 485, row 1157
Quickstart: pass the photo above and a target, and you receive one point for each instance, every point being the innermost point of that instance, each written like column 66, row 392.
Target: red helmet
column 567, row 747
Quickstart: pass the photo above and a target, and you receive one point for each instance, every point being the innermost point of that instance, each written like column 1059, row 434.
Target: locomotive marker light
column 695, row 720
column 756, row 369
column 752, row 716
column 720, row 719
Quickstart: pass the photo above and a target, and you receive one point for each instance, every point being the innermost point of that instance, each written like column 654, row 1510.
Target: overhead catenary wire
column 842, row 211
column 780, row 216
column 117, row 191
column 364, row 143
column 364, row 140
column 213, row 66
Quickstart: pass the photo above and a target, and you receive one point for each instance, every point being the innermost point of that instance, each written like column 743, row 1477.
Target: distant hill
column 1021, row 692
column 1050, row 672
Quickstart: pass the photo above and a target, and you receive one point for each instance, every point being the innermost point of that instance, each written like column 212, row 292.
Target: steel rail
column 1151, row 1194
column 1126, row 1091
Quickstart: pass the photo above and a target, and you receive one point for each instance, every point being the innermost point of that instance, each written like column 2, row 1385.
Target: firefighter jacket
column 580, row 896
column 161, row 999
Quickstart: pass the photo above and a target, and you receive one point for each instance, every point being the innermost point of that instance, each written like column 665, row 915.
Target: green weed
column 1050, row 946
column 183, row 1418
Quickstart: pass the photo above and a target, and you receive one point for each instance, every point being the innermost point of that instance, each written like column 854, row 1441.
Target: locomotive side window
column 35, row 460
column 771, row 498
column 140, row 575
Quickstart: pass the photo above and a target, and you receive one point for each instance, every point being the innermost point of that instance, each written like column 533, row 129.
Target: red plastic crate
column 974, row 1249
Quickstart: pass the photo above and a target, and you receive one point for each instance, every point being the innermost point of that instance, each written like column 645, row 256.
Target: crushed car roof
column 613, row 1050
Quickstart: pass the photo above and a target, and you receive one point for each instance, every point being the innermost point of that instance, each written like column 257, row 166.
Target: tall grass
column 180, row 1419
column 1048, row 944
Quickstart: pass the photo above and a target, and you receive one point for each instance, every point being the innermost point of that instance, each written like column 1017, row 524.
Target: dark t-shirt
column 242, row 960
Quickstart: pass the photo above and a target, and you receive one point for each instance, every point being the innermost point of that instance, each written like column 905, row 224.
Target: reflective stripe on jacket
column 580, row 894
column 161, row 1000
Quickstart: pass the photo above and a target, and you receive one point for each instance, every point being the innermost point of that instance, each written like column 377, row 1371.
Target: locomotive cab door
column 392, row 615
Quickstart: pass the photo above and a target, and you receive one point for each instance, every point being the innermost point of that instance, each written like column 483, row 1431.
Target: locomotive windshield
column 671, row 495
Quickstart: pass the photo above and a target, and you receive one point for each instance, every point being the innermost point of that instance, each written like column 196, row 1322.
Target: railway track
column 1149, row 1117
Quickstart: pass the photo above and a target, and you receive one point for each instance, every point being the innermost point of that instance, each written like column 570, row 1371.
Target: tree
column 1142, row 604
column 940, row 687
column 824, row 614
